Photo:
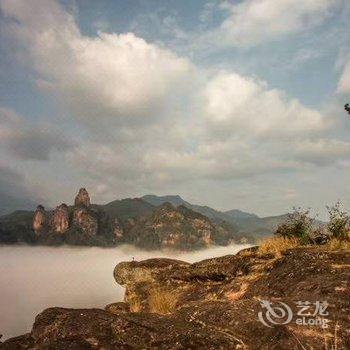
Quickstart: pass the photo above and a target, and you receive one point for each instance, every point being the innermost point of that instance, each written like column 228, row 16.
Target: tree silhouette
column 347, row 108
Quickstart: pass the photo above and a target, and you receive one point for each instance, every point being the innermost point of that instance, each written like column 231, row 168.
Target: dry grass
column 135, row 304
column 162, row 301
column 337, row 244
column 276, row 245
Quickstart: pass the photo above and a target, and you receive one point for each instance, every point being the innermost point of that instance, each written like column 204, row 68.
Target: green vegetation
column 300, row 225
column 339, row 222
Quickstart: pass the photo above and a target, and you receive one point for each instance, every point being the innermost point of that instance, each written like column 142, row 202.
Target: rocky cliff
column 212, row 304
column 82, row 224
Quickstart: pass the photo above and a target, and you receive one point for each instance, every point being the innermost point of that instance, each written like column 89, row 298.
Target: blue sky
column 234, row 104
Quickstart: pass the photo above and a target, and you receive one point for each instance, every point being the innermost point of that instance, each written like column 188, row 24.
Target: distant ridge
column 239, row 214
column 242, row 221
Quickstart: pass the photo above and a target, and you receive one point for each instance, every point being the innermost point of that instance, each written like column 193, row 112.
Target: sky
column 232, row 104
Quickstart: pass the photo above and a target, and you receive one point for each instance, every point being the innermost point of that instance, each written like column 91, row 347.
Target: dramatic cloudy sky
column 233, row 104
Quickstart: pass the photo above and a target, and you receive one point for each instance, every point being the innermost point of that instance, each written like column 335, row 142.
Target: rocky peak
column 60, row 219
column 39, row 219
column 82, row 198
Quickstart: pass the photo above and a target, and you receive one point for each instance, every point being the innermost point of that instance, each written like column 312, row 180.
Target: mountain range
column 242, row 221
column 150, row 222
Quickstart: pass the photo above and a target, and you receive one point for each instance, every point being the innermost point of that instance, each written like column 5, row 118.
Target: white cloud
column 322, row 151
column 112, row 75
column 241, row 129
column 247, row 105
column 251, row 22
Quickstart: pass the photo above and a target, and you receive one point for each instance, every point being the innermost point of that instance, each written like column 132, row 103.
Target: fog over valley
column 35, row 278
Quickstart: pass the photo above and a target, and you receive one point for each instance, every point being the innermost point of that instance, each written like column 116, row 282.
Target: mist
column 35, row 278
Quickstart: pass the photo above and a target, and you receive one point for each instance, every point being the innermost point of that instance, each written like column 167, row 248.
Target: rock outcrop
column 211, row 304
column 86, row 220
column 82, row 198
column 81, row 224
column 60, row 219
column 39, row 219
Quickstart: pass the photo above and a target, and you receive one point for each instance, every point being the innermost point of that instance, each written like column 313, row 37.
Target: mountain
column 241, row 221
column 159, row 200
column 177, row 200
column 239, row 214
column 179, row 227
column 149, row 222
column 132, row 221
column 128, row 208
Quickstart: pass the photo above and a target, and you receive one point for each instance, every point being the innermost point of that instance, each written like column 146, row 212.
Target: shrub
column 162, row 301
column 276, row 245
column 319, row 235
column 339, row 221
column 298, row 224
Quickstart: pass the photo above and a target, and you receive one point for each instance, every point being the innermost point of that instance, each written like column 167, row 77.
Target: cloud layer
column 34, row 141
column 150, row 119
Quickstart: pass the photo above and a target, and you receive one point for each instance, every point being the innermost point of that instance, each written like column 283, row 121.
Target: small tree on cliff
column 298, row 224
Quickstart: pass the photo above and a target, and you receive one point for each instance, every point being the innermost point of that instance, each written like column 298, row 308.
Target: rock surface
column 215, row 305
